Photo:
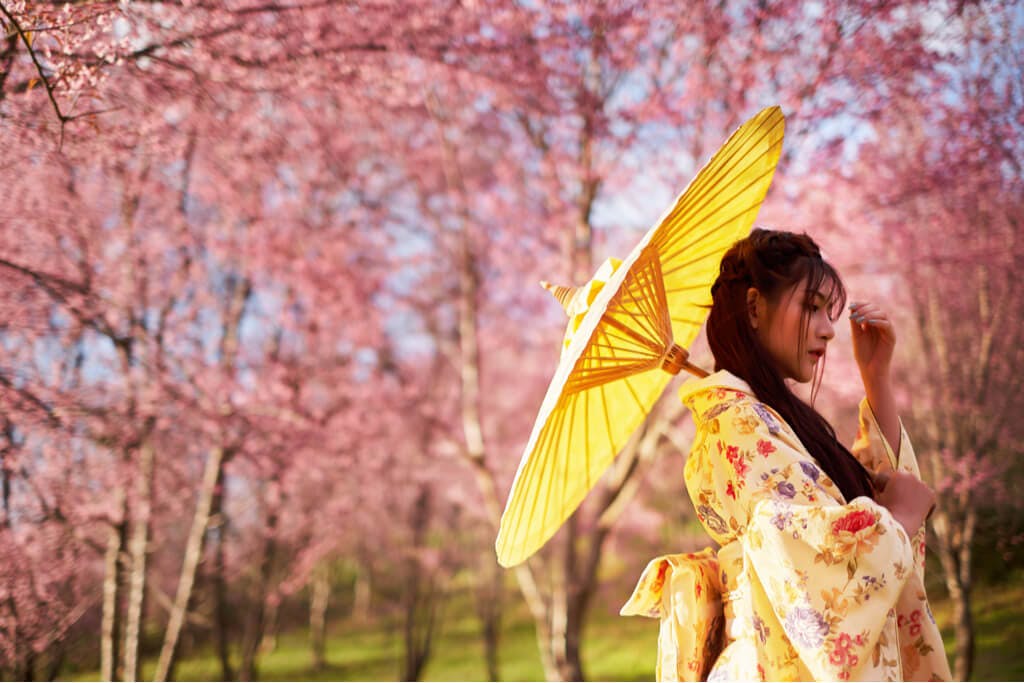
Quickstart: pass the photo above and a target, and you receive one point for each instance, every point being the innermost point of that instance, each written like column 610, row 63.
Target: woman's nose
column 826, row 330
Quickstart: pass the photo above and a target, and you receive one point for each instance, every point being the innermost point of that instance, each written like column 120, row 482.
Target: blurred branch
column 39, row 68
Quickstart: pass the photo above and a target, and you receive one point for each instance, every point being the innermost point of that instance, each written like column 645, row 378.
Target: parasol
column 627, row 336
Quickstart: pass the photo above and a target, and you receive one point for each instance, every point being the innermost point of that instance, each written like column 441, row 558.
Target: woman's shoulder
column 723, row 395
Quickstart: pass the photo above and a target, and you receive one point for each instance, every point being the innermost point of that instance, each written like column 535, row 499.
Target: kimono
column 805, row 585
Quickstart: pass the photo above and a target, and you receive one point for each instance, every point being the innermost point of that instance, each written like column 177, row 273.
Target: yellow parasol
column 627, row 334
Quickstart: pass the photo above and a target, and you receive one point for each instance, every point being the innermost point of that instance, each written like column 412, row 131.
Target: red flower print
column 915, row 623
column 730, row 491
column 741, row 467
column 732, row 454
column 765, row 447
column 659, row 578
column 853, row 522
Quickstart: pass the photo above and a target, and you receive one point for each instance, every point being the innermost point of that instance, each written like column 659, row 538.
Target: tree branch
column 39, row 68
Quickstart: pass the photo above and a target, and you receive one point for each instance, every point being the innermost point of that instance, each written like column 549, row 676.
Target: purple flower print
column 767, row 418
column 715, row 411
column 782, row 519
column 810, row 470
column 762, row 629
column 785, row 489
column 806, row 627
column 712, row 519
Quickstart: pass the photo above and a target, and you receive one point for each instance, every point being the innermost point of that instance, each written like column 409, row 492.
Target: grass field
column 615, row 648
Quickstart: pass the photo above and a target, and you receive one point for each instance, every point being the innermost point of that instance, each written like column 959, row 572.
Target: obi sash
column 683, row 591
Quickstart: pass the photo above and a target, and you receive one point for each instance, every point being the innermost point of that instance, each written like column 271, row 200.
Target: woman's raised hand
column 908, row 498
column 874, row 340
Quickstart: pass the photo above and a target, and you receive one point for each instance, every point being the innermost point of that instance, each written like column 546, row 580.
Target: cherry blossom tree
column 618, row 84
column 933, row 206
column 270, row 266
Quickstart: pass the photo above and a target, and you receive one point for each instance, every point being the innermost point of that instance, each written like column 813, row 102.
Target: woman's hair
column 773, row 262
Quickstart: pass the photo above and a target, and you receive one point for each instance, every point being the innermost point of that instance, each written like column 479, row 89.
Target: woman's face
column 795, row 350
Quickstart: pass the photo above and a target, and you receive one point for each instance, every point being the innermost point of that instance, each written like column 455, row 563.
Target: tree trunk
column 253, row 633
column 565, row 610
column 113, row 575
column 21, row 666
column 268, row 641
column 955, row 556
column 363, row 592
column 29, row 670
column 963, row 629
column 423, row 598
column 220, row 590
column 193, row 553
column 559, row 622
column 420, row 596
column 137, row 549
column 489, row 609
column 320, row 593
column 963, row 611
column 417, row 628
column 56, row 661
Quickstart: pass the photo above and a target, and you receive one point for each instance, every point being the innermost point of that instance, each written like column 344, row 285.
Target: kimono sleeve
column 831, row 572
column 874, row 452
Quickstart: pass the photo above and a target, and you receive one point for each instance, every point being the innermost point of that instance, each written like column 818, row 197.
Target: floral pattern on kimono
column 813, row 586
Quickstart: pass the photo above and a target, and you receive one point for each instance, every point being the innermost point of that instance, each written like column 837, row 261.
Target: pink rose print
column 853, row 522
column 841, row 655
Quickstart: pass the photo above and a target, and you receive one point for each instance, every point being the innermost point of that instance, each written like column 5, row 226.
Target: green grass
column 614, row 648
column 999, row 631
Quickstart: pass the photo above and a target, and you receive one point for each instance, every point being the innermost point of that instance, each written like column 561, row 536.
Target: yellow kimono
column 805, row 584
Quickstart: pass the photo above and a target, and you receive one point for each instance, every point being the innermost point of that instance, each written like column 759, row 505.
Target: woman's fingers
column 867, row 312
column 864, row 314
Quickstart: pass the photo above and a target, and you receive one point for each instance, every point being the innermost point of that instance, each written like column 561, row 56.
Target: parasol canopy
column 627, row 336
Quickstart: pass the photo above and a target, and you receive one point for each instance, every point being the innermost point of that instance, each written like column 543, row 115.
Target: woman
column 822, row 550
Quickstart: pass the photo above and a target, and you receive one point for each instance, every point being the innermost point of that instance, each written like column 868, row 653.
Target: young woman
column 821, row 562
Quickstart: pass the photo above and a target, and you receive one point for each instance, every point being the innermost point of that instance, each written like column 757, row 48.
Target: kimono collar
column 723, row 379
column 701, row 394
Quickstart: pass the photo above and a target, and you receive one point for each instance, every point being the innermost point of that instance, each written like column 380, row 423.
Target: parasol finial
column 563, row 294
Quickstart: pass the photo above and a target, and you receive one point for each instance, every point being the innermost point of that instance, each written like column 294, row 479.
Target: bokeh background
column 271, row 341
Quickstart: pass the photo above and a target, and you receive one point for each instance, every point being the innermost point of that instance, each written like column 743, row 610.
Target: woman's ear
column 753, row 301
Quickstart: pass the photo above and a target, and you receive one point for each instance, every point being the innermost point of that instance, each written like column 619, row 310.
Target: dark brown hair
column 773, row 262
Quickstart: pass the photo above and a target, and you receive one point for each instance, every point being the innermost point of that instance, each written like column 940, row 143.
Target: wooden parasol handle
column 677, row 358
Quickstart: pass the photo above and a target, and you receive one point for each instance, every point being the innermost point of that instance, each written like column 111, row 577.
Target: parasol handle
column 677, row 358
